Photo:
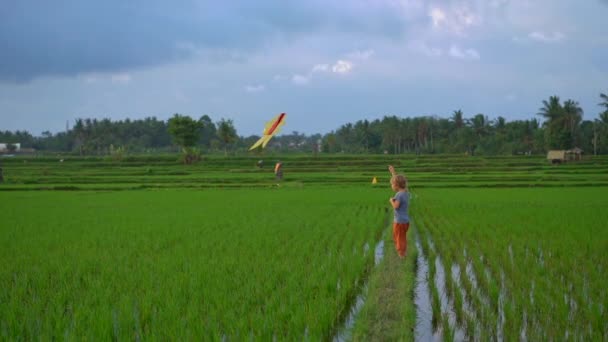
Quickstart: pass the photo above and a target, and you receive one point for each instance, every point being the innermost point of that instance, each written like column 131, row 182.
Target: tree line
column 562, row 127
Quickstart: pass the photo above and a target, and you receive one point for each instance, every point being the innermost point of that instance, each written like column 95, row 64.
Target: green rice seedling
column 459, row 307
column 131, row 272
column 446, row 329
column 435, row 304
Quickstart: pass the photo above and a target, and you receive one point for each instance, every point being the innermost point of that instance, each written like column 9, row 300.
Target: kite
column 272, row 127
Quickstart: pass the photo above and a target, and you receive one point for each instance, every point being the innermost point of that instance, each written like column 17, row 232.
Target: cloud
column 300, row 79
column 320, row 68
column 546, row 38
column 339, row 67
column 255, row 88
column 467, row 54
column 361, row 55
column 342, row 67
column 438, row 16
column 456, row 19
column 67, row 38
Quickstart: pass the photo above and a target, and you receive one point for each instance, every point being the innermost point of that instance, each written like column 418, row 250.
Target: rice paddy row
column 423, row 172
column 516, row 263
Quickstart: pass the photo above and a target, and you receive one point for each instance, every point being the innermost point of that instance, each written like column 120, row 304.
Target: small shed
column 6, row 147
column 574, row 154
column 556, row 156
column 561, row 156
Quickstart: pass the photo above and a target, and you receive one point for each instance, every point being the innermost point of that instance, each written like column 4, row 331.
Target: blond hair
column 400, row 181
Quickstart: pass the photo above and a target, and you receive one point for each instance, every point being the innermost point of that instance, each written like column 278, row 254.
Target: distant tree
column 227, row 133
column 500, row 124
column 573, row 116
column 601, row 126
column 604, row 102
column 481, row 125
column 185, row 132
column 556, row 130
column 209, row 130
column 457, row 119
column 551, row 110
column 329, row 142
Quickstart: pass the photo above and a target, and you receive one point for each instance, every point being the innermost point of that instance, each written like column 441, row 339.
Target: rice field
column 176, row 264
column 146, row 248
column 516, row 263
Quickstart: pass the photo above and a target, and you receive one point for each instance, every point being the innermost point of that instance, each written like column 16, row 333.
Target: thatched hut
column 556, row 156
column 574, row 154
column 561, row 156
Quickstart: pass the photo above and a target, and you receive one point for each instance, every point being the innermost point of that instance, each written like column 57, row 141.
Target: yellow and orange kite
column 272, row 127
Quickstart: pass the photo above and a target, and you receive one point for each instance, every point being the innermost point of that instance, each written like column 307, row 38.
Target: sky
column 324, row 63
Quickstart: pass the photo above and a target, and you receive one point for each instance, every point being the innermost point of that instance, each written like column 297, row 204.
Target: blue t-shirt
column 401, row 212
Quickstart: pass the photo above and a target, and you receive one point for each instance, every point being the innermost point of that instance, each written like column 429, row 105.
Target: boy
column 400, row 203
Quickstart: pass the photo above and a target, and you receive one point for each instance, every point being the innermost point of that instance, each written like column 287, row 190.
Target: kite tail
column 258, row 143
column 266, row 140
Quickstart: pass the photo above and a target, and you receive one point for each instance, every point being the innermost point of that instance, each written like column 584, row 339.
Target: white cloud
column 454, row 20
column 546, row 38
column 361, row 55
column 342, row 67
column 255, row 88
column 320, row 68
column 437, row 15
column 470, row 54
column 121, row 78
column 300, row 79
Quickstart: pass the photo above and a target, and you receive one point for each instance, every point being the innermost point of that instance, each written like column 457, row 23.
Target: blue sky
column 324, row 63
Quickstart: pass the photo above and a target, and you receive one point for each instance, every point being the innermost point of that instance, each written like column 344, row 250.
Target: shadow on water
column 344, row 331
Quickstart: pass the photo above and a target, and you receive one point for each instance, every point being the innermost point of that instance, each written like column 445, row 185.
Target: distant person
column 260, row 164
column 278, row 170
column 1, row 176
column 400, row 203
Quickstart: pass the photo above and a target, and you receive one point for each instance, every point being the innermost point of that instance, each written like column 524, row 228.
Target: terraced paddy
column 219, row 251
column 422, row 172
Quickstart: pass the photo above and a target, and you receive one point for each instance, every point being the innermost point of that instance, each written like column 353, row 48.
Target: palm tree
column 573, row 114
column 457, row 118
column 551, row 110
column 604, row 98
column 556, row 134
column 480, row 124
